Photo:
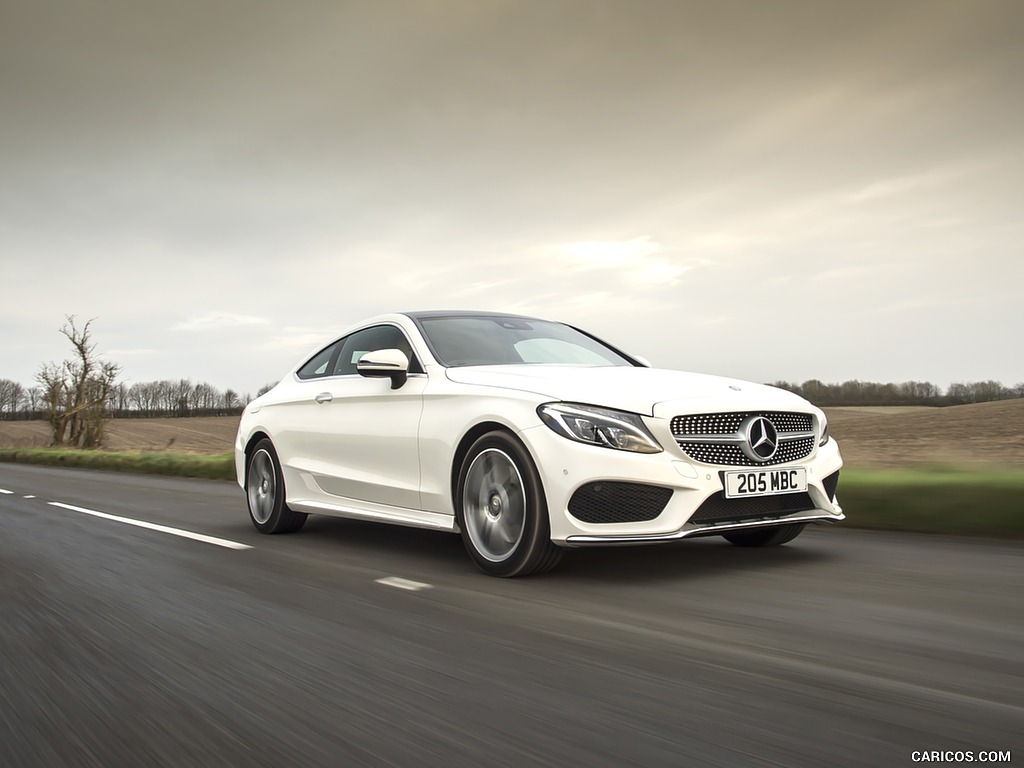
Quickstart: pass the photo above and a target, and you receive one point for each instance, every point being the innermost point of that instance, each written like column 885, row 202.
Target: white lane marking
column 2, row 490
column 154, row 527
column 394, row 581
column 29, row 497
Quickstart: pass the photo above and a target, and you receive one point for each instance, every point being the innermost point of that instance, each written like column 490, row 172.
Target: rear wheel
column 501, row 509
column 264, row 490
column 772, row 536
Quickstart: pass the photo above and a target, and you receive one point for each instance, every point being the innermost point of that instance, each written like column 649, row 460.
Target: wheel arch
column 470, row 437
column 533, row 551
column 253, row 439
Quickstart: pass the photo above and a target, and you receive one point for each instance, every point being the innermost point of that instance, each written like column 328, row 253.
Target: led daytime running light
column 599, row 426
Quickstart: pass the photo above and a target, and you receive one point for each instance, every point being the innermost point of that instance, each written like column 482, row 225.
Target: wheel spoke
column 513, row 523
column 489, row 528
column 506, row 533
column 490, row 478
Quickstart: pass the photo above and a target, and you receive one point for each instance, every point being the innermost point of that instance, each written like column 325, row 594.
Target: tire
column 772, row 536
column 264, row 492
column 501, row 510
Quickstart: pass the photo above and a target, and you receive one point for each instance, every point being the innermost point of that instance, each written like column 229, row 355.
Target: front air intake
column 615, row 502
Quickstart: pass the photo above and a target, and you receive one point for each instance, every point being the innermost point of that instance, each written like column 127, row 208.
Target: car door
column 362, row 435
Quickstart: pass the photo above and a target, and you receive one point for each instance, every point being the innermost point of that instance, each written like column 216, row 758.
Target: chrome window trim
column 335, row 377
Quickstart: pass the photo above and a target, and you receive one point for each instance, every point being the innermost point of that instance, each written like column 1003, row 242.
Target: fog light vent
column 614, row 502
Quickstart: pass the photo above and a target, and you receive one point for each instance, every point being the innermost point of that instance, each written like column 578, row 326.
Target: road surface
column 353, row 643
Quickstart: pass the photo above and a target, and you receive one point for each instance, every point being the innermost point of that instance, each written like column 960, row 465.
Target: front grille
column 718, row 509
column 714, row 438
column 614, row 502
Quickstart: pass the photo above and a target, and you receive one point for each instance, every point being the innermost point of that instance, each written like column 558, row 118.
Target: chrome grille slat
column 728, row 423
column 714, row 438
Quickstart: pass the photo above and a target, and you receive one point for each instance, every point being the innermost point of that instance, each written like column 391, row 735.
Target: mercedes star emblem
column 761, row 439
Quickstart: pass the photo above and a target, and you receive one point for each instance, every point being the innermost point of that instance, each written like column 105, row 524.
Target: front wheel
column 501, row 510
column 771, row 536
column 264, row 490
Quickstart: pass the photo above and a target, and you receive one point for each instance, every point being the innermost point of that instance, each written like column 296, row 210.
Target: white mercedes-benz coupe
column 528, row 437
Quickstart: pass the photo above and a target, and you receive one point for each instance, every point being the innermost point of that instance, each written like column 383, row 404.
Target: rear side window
column 319, row 364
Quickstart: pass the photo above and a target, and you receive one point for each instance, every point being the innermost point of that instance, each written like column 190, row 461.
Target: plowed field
column 212, row 434
column 986, row 433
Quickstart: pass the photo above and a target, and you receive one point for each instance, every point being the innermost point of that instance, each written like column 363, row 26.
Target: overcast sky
column 768, row 190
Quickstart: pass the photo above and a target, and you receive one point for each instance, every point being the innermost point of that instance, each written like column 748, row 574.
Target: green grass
column 986, row 502
column 216, row 467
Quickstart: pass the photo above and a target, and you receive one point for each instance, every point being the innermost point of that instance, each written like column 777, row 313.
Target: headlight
column 824, row 432
column 599, row 426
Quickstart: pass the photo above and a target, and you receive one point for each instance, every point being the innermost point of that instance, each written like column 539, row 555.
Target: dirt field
column 985, row 434
column 213, row 434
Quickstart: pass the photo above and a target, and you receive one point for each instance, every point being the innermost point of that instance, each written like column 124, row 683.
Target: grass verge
column 985, row 502
column 932, row 500
column 220, row 466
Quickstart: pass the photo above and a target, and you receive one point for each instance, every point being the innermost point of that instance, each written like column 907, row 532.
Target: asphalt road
column 130, row 646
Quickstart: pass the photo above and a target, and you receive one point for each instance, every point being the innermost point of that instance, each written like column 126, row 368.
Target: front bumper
column 566, row 466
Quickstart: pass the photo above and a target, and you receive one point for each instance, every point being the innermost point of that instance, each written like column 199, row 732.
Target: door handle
column 324, row 397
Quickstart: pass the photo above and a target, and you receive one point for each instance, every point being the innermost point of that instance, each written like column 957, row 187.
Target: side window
column 319, row 364
column 378, row 337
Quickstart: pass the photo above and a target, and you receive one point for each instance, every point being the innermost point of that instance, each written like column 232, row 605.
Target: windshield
column 483, row 340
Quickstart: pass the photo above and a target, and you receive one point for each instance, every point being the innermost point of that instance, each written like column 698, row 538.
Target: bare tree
column 33, row 400
column 12, row 395
column 119, row 398
column 205, row 397
column 230, row 400
column 77, row 392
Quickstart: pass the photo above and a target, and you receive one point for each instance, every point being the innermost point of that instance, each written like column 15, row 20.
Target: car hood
column 649, row 391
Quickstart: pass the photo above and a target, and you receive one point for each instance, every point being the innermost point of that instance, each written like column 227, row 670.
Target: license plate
column 765, row 482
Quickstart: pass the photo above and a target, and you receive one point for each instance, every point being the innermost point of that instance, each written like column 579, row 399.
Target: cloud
column 916, row 305
column 131, row 352
column 899, row 185
column 515, row 155
column 602, row 254
column 641, row 259
column 214, row 320
column 297, row 340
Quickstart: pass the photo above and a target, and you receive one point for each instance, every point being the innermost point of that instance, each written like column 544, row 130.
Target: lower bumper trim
column 690, row 530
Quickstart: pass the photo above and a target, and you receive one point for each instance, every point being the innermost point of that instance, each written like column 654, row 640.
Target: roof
column 463, row 313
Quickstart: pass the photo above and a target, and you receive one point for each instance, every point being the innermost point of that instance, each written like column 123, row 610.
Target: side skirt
column 364, row 510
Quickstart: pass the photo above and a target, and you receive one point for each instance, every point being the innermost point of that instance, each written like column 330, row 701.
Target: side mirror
column 385, row 363
column 642, row 360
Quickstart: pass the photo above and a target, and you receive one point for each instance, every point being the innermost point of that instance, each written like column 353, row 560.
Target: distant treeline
column 853, row 393
column 144, row 400
column 183, row 397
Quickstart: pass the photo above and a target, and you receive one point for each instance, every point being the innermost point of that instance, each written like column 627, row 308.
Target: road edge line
column 154, row 527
